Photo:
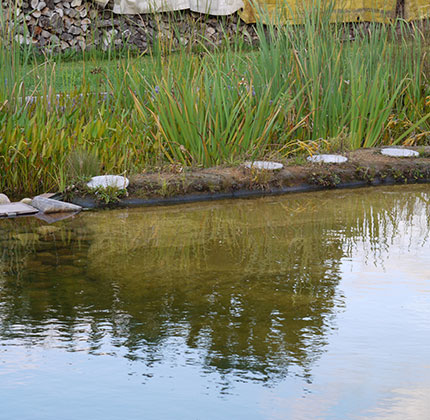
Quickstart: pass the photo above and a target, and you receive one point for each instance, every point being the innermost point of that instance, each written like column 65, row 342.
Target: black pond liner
column 92, row 203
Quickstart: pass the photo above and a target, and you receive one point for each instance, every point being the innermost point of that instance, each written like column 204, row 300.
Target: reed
column 302, row 88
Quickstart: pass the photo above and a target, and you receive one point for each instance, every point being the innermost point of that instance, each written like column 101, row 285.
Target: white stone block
column 327, row 159
column 108, row 181
column 397, row 152
column 264, row 165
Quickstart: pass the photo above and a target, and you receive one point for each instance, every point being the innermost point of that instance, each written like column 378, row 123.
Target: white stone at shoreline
column 394, row 152
column 327, row 159
column 264, row 165
column 4, row 199
column 106, row 181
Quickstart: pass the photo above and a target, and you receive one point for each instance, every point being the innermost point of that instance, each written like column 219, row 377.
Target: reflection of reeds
column 251, row 284
column 196, row 240
column 383, row 220
column 186, row 239
column 190, row 239
column 21, row 239
column 16, row 244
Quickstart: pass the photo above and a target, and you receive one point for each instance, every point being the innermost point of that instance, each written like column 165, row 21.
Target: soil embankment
column 365, row 167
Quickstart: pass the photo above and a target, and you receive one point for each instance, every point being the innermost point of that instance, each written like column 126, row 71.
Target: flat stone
column 397, row 152
column 4, row 199
column 48, row 205
column 106, row 181
column 264, row 165
column 327, row 159
column 48, row 195
column 16, row 209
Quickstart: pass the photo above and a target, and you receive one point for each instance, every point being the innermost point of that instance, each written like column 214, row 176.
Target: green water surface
column 312, row 306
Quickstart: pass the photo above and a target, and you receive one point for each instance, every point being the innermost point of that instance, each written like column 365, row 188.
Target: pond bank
column 365, row 167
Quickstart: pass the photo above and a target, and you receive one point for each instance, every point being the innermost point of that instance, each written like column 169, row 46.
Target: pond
column 311, row 306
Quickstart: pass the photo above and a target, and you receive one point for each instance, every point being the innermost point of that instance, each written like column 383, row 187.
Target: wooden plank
column 16, row 209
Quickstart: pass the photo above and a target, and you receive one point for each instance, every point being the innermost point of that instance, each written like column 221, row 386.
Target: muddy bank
column 365, row 167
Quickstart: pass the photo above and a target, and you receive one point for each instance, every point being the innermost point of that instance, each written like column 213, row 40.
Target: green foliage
column 325, row 180
column 302, row 90
column 365, row 174
column 81, row 165
column 108, row 195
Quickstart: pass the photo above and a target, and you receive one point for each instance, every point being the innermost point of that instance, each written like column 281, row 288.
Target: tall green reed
column 348, row 87
column 303, row 85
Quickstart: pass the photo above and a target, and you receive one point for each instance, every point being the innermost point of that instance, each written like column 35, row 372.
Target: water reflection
column 248, row 288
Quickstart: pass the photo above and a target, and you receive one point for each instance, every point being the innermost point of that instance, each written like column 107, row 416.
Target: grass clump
column 82, row 165
column 303, row 89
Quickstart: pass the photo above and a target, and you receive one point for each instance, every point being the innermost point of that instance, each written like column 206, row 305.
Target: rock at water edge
column 47, row 205
column 4, row 199
column 106, row 181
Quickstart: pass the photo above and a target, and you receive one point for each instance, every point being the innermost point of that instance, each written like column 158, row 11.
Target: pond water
column 311, row 306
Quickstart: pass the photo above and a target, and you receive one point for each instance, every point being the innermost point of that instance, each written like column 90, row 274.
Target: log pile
column 59, row 25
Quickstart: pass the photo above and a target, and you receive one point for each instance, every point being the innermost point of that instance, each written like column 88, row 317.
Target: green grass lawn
column 67, row 76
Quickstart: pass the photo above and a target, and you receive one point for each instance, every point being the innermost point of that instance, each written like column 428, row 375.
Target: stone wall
column 61, row 25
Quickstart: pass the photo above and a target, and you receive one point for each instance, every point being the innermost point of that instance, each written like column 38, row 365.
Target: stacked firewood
column 61, row 25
